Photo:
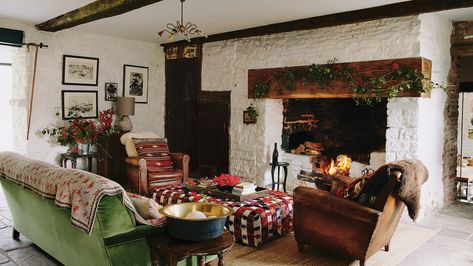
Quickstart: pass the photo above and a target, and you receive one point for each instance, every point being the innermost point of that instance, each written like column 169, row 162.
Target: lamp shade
column 125, row 106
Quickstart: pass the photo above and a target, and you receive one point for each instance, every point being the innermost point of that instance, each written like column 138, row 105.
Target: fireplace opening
column 299, row 138
column 334, row 126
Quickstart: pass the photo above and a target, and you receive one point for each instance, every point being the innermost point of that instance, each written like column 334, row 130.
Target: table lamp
column 125, row 106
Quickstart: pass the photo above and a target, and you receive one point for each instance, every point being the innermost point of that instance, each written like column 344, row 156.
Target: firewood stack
column 308, row 147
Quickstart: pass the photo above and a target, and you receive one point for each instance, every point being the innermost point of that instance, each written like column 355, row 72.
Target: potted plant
column 250, row 115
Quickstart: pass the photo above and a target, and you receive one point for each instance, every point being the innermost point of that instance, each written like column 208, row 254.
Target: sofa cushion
column 146, row 207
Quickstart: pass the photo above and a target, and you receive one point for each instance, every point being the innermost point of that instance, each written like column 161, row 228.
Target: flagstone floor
column 452, row 245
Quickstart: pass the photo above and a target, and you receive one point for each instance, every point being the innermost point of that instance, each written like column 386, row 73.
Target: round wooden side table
column 278, row 165
column 175, row 249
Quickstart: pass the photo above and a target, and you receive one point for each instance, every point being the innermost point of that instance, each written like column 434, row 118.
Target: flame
column 331, row 169
column 343, row 163
column 341, row 166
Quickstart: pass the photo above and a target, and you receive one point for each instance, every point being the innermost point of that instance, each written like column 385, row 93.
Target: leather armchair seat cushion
column 175, row 173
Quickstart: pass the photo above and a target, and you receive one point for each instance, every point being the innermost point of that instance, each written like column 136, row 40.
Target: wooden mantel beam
column 407, row 8
column 94, row 11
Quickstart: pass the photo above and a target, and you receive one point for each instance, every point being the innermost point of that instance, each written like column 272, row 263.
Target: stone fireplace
column 415, row 126
column 371, row 135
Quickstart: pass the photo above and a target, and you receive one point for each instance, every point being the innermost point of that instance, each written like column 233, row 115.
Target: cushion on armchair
column 127, row 140
column 156, row 153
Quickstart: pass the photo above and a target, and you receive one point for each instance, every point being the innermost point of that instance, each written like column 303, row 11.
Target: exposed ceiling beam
column 94, row 11
column 388, row 11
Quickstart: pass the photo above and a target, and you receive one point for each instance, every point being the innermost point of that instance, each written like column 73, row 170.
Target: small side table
column 175, row 249
column 278, row 165
column 74, row 156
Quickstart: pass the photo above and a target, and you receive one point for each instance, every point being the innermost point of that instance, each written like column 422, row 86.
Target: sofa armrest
column 140, row 231
column 324, row 201
column 181, row 161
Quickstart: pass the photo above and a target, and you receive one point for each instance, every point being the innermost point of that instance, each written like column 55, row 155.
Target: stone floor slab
column 7, row 243
column 31, row 256
column 3, row 259
column 442, row 250
column 454, row 234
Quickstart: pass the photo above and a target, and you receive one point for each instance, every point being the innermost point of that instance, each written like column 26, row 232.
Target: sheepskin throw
column 414, row 174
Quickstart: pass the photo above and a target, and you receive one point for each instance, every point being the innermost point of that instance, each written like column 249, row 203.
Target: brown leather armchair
column 143, row 181
column 345, row 227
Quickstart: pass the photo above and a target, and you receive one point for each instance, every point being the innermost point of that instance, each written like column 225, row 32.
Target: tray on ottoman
column 260, row 192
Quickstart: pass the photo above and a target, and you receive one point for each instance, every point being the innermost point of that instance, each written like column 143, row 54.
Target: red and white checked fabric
column 253, row 223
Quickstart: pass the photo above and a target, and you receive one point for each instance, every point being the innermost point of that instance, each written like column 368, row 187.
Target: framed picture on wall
column 135, row 83
column 81, row 103
column 111, row 91
column 80, row 70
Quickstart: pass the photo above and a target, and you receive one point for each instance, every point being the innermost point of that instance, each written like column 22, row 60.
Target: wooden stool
column 175, row 249
column 284, row 165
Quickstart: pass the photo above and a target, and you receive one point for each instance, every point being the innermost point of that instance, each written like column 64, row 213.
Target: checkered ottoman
column 253, row 223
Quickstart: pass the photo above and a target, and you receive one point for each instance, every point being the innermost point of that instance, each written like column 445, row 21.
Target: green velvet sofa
column 115, row 239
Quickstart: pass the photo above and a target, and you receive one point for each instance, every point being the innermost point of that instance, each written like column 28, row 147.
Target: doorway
column 181, row 122
column 6, row 113
column 465, row 130
column 196, row 121
column 214, row 121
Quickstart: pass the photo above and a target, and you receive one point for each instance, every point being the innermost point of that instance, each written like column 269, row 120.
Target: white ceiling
column 211, row 16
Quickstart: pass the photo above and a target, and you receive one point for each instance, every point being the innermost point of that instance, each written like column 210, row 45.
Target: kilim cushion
column 156, row 153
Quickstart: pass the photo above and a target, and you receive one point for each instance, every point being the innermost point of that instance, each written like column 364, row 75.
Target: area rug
column 284, row 251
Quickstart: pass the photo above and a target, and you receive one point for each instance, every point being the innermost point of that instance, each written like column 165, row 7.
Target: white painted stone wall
column 112, row 52
column 415, row 125
column 435, row 32
column 226, row 64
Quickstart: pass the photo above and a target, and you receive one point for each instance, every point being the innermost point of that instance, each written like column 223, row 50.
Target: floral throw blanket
column 78, row 190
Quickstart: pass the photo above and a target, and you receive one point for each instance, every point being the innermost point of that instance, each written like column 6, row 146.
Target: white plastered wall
column 412, row 132
column 112, row 52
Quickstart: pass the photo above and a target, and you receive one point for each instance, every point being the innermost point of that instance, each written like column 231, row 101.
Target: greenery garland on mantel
column 366, row 90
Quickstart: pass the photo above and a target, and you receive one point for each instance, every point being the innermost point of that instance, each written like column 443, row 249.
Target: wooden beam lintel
column 94, row 11
column 337, row 88
column 407, row 8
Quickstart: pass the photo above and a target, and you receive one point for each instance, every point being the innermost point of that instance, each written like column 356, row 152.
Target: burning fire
column 340, row 167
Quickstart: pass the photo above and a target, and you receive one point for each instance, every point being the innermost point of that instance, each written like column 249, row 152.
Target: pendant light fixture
column 188, row 29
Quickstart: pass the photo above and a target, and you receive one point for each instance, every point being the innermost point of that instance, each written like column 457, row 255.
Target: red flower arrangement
column 82, row 131
column 226, row 180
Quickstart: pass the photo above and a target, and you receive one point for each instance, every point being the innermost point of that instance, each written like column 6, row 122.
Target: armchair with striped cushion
column 155, row 166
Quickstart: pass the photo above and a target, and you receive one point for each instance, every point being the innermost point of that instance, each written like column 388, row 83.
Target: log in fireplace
column 339, row 125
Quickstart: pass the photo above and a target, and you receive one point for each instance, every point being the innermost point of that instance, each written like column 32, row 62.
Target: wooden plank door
column 214, row 122
column 183, row 77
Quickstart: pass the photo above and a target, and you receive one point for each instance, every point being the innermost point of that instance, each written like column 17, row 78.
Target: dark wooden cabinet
column 114, row 154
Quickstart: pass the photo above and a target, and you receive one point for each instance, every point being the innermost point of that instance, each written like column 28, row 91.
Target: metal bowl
column 196, row 229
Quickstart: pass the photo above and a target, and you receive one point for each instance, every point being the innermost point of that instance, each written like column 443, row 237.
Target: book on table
column 244, row 189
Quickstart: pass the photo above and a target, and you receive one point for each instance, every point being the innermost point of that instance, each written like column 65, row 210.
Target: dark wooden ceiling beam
column 94, row 11
column 388, row 11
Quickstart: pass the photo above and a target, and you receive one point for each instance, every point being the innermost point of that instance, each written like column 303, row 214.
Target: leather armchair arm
column 132, row 161
column 323, row 201
column 181, row 161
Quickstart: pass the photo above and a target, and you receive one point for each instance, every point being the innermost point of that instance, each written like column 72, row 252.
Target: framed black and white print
column 111, row 91
column 79, row 103
column 80, row 70
column 135, row 83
